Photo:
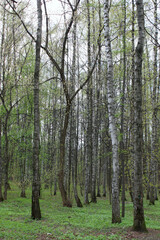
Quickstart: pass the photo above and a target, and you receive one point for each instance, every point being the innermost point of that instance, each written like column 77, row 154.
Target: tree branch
column 91, row 71
column 46, row 14
column 67, row 32
column 24, row 25
column 87, row 80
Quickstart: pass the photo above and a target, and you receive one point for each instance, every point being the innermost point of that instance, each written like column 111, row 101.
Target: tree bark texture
column 122, row 155
column 154, row 142
column 1, row 196
column 88, row 158
column 74, row 120
column 6, row 156
column 131, row 171
column 112, row 120
column 66, row 201
column 139, row 221
column 36, row 213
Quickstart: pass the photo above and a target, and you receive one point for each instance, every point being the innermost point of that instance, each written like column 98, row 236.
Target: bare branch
column 156, row 43
column 91, row 71
column 46, row 14
column 70, row 5
column 67, row 32
column 47, row 80
column 87, row 80
column 24, row 25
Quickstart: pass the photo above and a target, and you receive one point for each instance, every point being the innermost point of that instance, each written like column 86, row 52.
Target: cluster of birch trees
column 79, row 101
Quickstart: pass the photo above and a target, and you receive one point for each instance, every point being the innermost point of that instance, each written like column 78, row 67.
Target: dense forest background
column 54, row 99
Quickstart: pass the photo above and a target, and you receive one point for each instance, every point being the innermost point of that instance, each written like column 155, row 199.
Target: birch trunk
column 112, row 121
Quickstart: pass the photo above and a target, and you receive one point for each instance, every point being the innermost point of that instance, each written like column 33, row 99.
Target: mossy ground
column 91, row 222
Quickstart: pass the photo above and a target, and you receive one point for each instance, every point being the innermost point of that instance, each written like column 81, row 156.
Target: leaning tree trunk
column 139, row 221
column 36, row 213
column 112, row 120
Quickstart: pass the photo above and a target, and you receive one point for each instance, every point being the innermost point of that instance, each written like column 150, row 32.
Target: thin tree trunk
column 6, row 156
column 122, row 156
column 131, row 168
column 88, row 158
column 1, row 70
column 152, row 196
column 36, row 212
column 98, row 117
column 1, row 196
column 74, row 121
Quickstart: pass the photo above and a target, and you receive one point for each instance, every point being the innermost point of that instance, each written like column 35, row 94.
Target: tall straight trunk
column 109, row 172
column 1, row 195
column 54, row 151
column 6, row 155
column 104, row 176
column 53, row 179
column 146, row 137
column 22, row 161
column 122, row 156
column 75, row 120
column 112, row 120
column 94, row 114
column 99, row 115
column 88, row 158
column 36, row 212
column 139, row 221
column 75, row 182
column 1, row 70
column 154, row 118
column 131, row 179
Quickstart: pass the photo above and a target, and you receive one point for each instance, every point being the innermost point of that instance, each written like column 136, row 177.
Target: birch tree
column 112, row 120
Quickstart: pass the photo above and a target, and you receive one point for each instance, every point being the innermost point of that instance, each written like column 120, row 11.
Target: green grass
column 91, row 222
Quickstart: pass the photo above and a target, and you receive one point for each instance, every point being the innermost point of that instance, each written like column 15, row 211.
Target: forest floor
column 116, row 234
column 92, row 222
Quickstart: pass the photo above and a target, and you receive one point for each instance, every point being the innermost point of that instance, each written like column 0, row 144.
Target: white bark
column 112, row 120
